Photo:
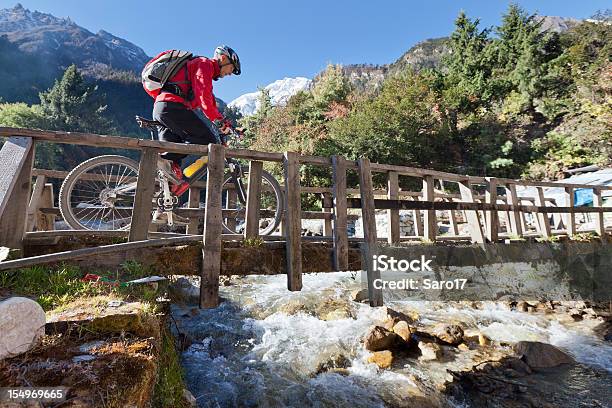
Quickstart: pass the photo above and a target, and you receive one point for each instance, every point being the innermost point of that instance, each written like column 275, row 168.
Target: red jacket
column 201, row 71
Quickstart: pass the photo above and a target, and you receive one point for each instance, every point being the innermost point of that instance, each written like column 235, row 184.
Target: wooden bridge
column 491, row 208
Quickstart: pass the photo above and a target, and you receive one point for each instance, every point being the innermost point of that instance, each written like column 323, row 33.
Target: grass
column 253, row 242
column 170, row 380
column 54, row 287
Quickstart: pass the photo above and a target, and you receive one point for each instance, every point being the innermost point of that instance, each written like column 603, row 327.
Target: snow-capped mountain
column 280, row 92
column 60, row 41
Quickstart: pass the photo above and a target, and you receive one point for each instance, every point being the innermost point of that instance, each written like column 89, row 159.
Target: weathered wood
column 145, row 188
column 211, row 252
column 16, row 157
column 340, row 234
column 475, row 228
column 99, row 250
column 393, row 219
column 231, row 199
column 418, row 221
column 194, row 202
column 543, row 222
column 46, row 222
column 570, row 217
column 492, row 216
column 293, row 221
column 599, row 217
column 253, row 155
column 328, row 203
column 368, row 217
column 253, row 205
column 430, row 229
column 452, row 219
column 517, row 223
column 35, row 203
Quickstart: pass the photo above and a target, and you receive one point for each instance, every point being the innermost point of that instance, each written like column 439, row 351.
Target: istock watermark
column 386, row 263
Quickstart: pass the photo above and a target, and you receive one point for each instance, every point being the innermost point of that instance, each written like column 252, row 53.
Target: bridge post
column 599, row 216
column 516, row 217
column 211, row 251
column 472, row 216
column 492, row 216
column 368, row 215
column 193, row 202
column 340, row 252
column 35, row 202
column 327, row 204
column 542, row 218
column 145, row 188
column 293, row 218
column 570, row 217
column 430, row 225
column 393, row 218
column 17, row 157
column 253, row 205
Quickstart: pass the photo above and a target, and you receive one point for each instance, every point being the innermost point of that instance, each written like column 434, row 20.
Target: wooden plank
column 419, row 228
column 16, row 157
column 543, row 222
column 253, row 206
column 517, row 223
column 194, row 202
column 452, row 218
column 393, row 219
column 99, row 250
column 430, row 229
column 293, row 221
column 328, row 203
column 340, row 234
column 492, row 216
column 368, row 217
column 570, row 218
column 475, row 228
column 35, row 203
column 46, row 222
column 599, row 217
column 145, row 188
column 211, row 251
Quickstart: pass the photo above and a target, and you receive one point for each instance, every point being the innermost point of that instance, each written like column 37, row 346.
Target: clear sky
column 277, row 39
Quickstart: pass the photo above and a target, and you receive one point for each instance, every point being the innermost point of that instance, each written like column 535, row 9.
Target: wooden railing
column 497, row 212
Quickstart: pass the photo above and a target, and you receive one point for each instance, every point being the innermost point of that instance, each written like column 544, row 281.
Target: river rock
column 430, row 351
column 483, row 340
column 392, row 317
column 22, row 324
column 378, row 338
column 335, row 309
column 189, row 398
column 541, row 355
column 359, row 295
column 183, row 291
column 449, row 333
column 383, row 359
column 402, row 329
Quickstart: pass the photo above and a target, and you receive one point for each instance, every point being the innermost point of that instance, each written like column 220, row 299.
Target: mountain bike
column 99, row 193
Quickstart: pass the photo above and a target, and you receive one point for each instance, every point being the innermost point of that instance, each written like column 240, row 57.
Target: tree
column 72, row 105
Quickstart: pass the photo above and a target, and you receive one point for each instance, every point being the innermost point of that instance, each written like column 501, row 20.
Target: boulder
column 359, row 295
column 541, row 355
column 378, row 338
column 402, row 329
column 430, row 351
column 189, row 398
column 335, row 309
column 449, row 333
column 22, row 323
column 337, row 361
column 383, row 359
column 392, row 317
column 483, row 340
column 183, row 291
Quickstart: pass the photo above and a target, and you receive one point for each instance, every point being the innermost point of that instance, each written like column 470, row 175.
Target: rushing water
column 255, row 350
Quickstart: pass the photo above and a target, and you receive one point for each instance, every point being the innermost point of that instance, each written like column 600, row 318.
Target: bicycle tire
column 73, row 177
column 280, row 199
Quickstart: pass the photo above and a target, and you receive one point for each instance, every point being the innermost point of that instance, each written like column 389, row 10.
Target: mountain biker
column 174, row 108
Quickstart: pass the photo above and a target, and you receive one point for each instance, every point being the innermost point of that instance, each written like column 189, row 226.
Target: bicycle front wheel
column 234, row 206
column 99, row 194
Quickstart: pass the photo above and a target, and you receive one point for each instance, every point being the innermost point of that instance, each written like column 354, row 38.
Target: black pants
column 182, row 126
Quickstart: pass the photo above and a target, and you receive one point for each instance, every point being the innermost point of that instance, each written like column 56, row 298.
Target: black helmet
column 231, row 54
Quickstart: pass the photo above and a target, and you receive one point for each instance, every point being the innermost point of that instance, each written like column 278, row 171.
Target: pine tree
column 75, row 106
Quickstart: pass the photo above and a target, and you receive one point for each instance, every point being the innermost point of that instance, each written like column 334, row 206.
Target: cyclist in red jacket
column 174, row 106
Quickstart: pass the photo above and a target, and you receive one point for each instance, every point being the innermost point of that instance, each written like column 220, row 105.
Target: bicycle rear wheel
column 99, row 193
column 271, row 207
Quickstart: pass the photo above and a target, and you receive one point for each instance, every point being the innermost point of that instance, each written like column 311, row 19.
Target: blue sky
column 277, row 39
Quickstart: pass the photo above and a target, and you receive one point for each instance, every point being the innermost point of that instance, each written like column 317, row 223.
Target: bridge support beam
column 294, row 221
column 211, row 252
column 145, row 188
column 17, row 157
column 340, row 234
